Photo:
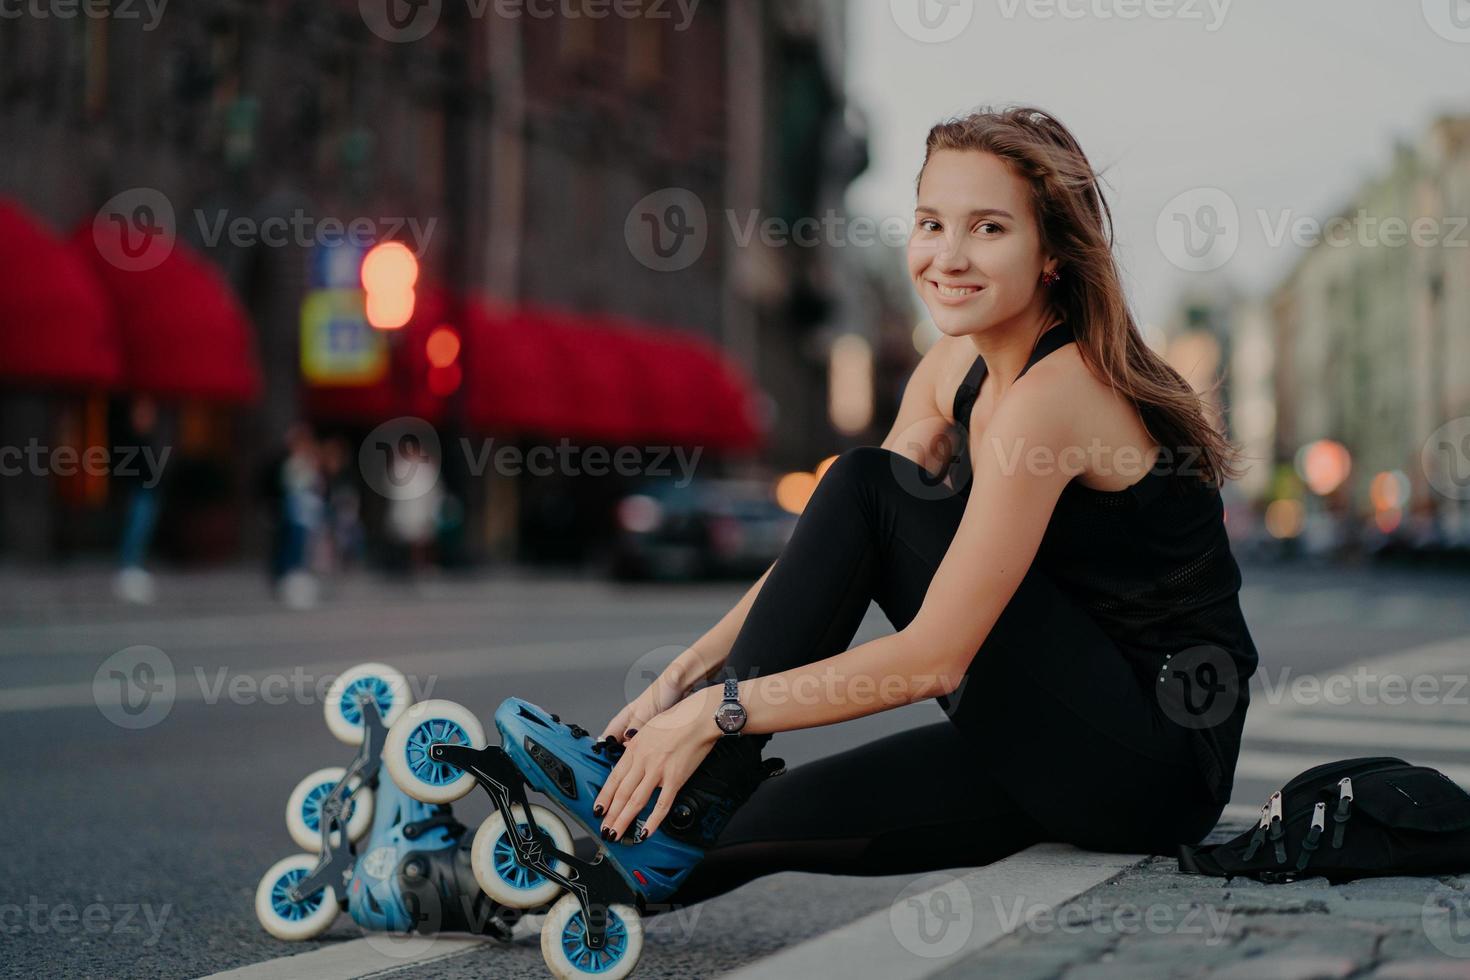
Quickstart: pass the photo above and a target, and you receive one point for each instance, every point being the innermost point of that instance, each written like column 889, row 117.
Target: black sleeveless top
column 1151, row 564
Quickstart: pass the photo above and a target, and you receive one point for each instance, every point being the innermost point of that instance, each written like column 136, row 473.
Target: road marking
column 373, row 956
column 1041, row 877
column 348, row 961
column 1284, row 765
column 547, row 656
column 1361, row 732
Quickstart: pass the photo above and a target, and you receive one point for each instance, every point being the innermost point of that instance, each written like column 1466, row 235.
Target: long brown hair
column 1077, row 227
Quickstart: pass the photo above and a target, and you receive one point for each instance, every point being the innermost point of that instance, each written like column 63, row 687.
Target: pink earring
column 1050, row 277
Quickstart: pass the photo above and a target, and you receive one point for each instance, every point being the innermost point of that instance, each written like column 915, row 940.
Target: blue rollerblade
column 437, row 752
column 413, row 872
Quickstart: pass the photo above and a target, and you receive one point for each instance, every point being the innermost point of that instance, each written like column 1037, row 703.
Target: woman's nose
column 951, row 258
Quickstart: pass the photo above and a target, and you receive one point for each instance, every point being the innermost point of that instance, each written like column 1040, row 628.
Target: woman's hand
column 665, row 692
column 661, row 756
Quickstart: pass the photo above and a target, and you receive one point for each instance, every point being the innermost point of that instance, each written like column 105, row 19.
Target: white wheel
column 406, row 750
column 386, row 685
column 288, row 920
column 564, row 946
column 504, row 878
column 304, row 808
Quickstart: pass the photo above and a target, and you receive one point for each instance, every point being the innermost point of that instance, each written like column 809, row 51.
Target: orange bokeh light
column 442, row 347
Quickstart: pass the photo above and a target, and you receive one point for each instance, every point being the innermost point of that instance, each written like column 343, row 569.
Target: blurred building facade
column 525, row 141
column 1372, row 339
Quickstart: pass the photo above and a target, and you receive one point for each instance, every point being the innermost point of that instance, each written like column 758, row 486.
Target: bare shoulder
column 1105, row 424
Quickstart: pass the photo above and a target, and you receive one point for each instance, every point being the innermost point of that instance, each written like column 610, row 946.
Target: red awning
column 554, row 373
column 183, row 333
column 604, row 378
column 55, row 323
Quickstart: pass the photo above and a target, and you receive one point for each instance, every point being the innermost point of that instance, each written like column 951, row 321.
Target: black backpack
column 1356, row 818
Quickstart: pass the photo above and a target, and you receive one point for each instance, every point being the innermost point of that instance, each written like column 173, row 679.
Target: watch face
column 730, row 717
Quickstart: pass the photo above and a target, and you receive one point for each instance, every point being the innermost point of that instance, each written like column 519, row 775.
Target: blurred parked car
column 707, row 528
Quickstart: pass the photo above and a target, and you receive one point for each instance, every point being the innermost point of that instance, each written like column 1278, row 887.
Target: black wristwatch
column 730, row 715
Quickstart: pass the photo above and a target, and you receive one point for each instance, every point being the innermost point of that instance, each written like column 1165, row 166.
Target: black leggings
column 1053, row 737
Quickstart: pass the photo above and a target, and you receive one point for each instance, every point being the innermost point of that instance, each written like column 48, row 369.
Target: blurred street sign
column 338, row 347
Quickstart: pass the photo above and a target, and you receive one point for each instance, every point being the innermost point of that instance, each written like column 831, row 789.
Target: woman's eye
column 929, row 224
column 986, row 225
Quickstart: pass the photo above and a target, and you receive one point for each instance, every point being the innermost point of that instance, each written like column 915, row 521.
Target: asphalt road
column 135, row 851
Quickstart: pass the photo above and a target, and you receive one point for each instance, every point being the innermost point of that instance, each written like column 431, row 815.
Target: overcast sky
column 1284, row 105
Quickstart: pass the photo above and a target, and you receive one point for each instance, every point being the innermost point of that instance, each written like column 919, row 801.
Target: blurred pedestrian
column 301, row 516
column 415, row 512
column 134, row 583
column 342, row 540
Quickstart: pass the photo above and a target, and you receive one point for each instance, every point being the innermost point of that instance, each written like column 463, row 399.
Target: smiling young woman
column 1042, row 526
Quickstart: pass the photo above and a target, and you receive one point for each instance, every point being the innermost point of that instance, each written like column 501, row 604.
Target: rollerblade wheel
column 505, row 879
column 304, row 808
column 388, row 687
column 406, row 750
column 283, row 918
column 564, row 942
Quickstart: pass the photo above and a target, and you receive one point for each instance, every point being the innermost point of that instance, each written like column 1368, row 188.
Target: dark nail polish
column 642, row 835
column 630, row 733
column 612, row 835
column 606, row 834
column 597, row 810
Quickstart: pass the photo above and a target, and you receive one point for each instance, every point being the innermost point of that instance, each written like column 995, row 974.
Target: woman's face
column 975, row 253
